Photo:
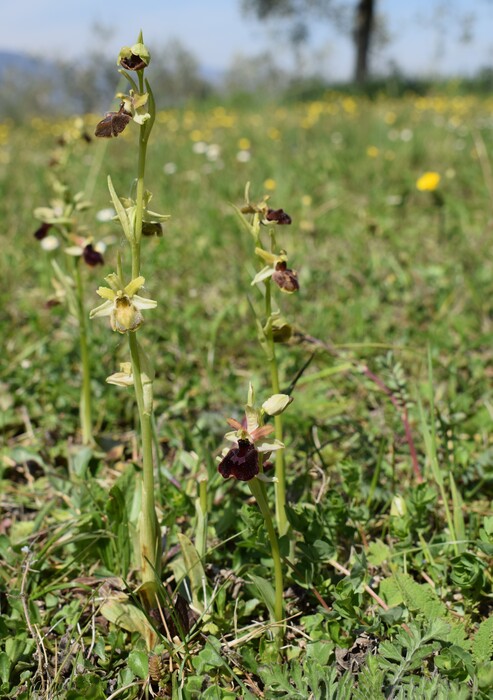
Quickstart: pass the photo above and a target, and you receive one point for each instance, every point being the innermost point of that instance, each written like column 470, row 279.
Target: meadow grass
column 392, row 278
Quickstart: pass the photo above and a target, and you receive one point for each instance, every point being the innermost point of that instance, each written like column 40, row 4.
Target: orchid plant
column 126, row 309
column 245, row 461
column 253, row 439
column 61, row 229
column 272, row 328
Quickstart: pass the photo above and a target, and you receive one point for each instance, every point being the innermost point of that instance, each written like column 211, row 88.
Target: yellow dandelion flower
column 196, row 135
column 270, row 184
column 349, row 105
column 372, row 151
column 244, row 144
column 428, row 182
column 274, row 134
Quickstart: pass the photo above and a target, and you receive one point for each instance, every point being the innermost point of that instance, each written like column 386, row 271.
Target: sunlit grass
column 394, row 277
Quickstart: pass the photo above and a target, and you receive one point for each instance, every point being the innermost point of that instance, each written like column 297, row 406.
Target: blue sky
column 215, row 31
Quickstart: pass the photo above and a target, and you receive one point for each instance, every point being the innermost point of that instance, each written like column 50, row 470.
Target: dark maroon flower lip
column 279, row 216
column 152, row 228
column 42, row 231
column 113, row 123
column 92, row 257
column 285, row 278
column 240, row 462
column 133, row 62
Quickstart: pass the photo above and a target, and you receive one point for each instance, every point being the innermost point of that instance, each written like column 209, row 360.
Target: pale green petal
column 106, row 293
column 141, row 50
column 267, row 479
column 134, row 286
column 266, row 256
column 251, row 395
column 140, row 100
column 155, row 216
column 44, row 213
column 251, row 418
column 120, row 379
column 264, row 273
column 266, row 446
column 102, row 310
column 141, row 118
column 142, row 303
column 114, row 281
column 74, row 250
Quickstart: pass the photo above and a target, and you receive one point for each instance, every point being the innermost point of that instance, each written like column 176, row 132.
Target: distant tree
column 297, row 12
column 86, row 85
column 257, row 74
column 23, row 94
column 363, row 27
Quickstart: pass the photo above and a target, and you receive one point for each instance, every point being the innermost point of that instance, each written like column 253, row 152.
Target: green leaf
column 21, row 455
column 422, row 599
column 79, row 460
column 138, row 662
column 482, row 645
column 378, row 552
column 193, row 567
column 130, row 618
column 121, row 212
column 319, row 651
column 119, row 547
column 243, row 220
column 5, row 666
column 265, row 591
column 87, row 687
column 467, row 571
column 15, row 648
column 455, row 663
column 485, row 676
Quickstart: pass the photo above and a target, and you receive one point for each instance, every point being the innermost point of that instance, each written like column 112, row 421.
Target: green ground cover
column 388, row 586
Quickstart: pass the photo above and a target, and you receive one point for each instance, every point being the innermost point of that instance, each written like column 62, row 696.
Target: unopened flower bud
column 276, row 404
column 136, row 57
column 281, row 331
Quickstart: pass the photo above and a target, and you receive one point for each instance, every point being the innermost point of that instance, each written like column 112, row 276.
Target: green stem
column 282, row 522
column 139, row 211
column 258, row 490
column 201, row 538
column 144, row 133
column 149, row 543
column 85, row 394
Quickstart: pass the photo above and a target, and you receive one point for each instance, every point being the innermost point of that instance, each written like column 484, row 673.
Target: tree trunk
column 363, row 26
